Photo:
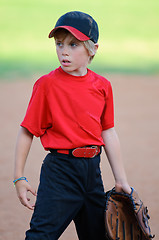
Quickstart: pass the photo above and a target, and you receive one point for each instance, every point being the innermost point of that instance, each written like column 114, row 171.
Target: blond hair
column 90, row 46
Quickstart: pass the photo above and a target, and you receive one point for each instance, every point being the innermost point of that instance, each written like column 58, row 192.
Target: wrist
column 121, row 180
column 19, row 179
column 18, row 174
column 123, row 186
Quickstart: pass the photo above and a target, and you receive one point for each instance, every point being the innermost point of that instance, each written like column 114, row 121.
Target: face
column 72, row 54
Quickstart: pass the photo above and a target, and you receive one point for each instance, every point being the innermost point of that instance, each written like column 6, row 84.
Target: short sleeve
column 107, row 118
column 38, row 116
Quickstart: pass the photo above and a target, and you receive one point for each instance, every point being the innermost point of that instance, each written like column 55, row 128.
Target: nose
column 65, row 51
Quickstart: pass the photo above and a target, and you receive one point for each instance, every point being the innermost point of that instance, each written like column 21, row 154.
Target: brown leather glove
column 126, row 218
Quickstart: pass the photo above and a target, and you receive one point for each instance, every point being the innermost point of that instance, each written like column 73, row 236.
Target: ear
column 96, row 45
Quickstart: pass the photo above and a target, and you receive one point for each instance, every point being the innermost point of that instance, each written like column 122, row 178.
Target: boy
column 71, row 110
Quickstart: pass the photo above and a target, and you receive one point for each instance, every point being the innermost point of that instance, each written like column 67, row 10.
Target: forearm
column 113, row 152
column 23, row 144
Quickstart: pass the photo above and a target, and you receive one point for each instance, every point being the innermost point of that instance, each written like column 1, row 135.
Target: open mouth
column 65, row 61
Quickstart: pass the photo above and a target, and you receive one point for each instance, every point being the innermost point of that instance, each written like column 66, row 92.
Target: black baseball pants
column 70, row 189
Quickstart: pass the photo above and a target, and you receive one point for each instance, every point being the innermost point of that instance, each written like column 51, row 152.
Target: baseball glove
column 126, row 218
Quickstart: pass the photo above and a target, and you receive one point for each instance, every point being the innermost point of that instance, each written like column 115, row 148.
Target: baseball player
column 71, row 110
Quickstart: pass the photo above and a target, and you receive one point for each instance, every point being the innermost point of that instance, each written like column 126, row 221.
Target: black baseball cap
column 79, row 24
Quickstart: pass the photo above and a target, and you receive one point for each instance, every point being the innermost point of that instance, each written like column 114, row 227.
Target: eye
column 73, row 44
column 59, row 44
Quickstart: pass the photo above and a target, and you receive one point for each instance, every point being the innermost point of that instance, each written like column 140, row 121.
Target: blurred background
column 128, row 56
column 129, row 35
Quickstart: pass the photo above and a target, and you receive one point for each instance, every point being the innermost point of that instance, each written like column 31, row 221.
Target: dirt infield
column 137, row 123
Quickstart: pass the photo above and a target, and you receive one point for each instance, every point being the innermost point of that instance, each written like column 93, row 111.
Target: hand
column 22, row 188
column 122, row 187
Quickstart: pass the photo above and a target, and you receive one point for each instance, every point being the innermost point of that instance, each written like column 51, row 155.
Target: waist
column 83, row 152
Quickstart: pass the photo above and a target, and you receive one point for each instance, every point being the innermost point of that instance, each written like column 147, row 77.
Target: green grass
column 129, row 36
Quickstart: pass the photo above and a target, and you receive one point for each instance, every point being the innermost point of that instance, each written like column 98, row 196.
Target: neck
column 79, row 73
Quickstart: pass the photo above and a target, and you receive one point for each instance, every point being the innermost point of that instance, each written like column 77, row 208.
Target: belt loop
column 70, row 152
column 100, row 151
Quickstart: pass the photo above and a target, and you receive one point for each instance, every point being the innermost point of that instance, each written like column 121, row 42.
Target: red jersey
column 68, row 111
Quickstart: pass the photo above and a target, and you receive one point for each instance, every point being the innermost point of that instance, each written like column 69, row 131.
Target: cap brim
column 76, row 33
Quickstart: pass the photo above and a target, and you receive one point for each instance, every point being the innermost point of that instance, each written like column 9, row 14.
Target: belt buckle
column 94, row 147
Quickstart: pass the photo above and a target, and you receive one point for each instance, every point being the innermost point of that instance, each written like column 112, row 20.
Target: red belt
column 86, row 152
